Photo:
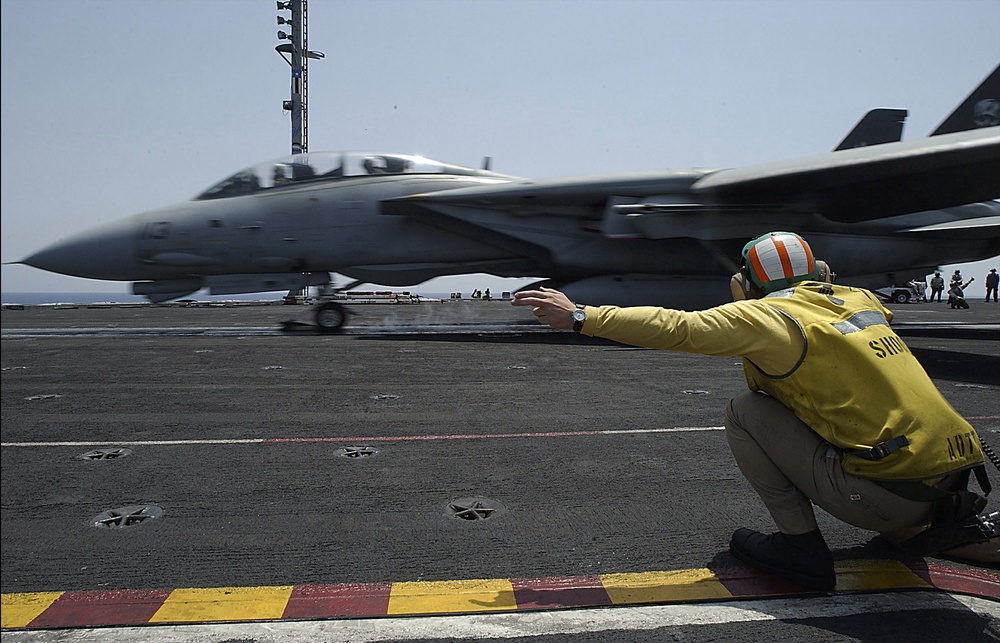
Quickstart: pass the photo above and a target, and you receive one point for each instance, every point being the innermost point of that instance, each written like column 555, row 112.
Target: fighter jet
column 875, row 213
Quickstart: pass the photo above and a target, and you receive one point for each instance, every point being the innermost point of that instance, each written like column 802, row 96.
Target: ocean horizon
column 34, row 298
column 83, row 298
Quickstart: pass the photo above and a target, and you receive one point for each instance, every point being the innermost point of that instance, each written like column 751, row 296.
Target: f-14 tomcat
column 876, row 214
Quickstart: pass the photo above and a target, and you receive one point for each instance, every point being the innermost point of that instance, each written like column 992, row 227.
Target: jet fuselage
column 399, row 220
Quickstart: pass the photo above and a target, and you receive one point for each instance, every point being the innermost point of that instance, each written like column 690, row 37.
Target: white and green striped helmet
column 777, row 260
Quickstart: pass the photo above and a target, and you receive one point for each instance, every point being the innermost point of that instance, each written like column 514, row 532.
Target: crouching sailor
column 840, row 414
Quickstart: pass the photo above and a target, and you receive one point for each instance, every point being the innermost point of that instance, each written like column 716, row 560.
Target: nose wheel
column 330, row 317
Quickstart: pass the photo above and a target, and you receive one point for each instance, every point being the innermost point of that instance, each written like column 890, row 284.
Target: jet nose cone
column 107, row 252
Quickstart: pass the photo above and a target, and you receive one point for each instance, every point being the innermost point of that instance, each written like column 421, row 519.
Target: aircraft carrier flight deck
column 195, row 466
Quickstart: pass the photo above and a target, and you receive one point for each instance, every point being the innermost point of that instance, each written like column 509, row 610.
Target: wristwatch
column 579, row 316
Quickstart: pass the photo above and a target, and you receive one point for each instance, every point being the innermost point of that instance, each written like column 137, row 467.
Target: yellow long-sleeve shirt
column 828, row 354
column 750, row 329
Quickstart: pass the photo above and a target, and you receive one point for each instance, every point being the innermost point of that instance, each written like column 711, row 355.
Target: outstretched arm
column 549, row 306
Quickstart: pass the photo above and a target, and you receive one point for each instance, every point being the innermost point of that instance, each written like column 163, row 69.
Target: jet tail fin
column 876, row 127
column 980, row 109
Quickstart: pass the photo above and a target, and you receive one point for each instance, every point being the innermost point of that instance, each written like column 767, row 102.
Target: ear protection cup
column 825, row 274
column 748, row 288
column 737, row 286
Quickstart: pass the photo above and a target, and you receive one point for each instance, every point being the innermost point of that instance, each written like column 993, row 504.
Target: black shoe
column 803, row 559
column 941, row 537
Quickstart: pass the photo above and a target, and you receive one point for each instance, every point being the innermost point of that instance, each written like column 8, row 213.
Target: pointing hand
column 548, row 305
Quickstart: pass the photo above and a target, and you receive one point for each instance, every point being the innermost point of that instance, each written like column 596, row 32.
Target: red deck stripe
column 102, row 607
column 744, row 581
column 976, row 581
column 459, row 436
column 553, row 593
column 346, row 600
column 337, row 601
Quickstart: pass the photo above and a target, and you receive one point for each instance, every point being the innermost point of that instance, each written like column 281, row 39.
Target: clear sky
column 115, row 107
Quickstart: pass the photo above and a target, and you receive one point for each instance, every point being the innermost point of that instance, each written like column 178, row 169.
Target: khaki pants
column 791, row 468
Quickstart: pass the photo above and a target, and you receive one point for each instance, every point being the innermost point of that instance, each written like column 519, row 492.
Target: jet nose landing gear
column 330, row 317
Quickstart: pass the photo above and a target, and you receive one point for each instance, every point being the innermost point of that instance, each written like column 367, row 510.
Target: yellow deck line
column 653, row 587
column 223, row 604
column 17, row 610
column 869, row 575
column 451, row 596
column 189, row 605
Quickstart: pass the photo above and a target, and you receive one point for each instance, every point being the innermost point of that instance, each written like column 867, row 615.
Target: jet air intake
column 167, row 289
column 249, row 283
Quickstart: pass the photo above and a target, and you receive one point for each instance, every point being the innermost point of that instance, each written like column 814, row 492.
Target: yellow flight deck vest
column 859, row 387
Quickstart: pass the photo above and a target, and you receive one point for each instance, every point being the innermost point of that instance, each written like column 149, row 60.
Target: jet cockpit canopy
column 325, row 166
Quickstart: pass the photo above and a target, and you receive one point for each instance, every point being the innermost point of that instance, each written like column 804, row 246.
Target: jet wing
column 851, row 185
column 976, row 228
column 981, row 224
column 871, row 182
column 578, row 194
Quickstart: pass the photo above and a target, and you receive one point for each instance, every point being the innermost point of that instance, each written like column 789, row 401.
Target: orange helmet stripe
column 758, row 268
column 778, row 260
column 786, row 263
column 810, row 261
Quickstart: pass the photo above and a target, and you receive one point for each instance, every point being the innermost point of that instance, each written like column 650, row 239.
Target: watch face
column 579, row 314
